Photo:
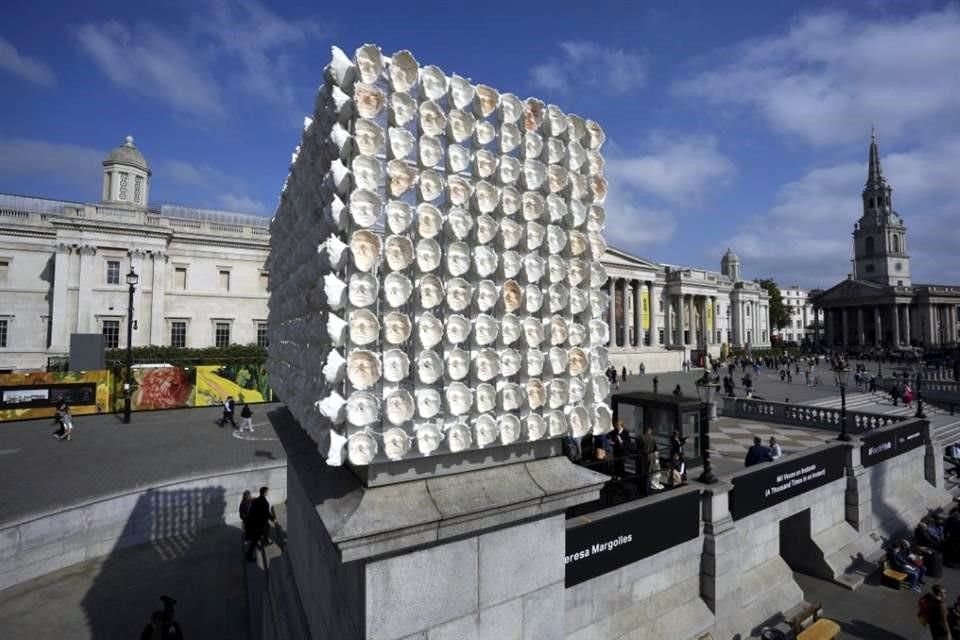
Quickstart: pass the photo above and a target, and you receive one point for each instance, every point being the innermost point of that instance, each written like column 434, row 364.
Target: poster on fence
column 24, row 396
column 168, row 387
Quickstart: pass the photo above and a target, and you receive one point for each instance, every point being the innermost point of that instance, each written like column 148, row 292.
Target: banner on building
column 892, row 441
column 24, row 396
column 708, row 309
column 645, row 308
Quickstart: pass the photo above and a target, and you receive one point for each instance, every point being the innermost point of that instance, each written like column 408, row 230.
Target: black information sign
column 48, row 395
column 894, row 441
column 773, row 483
column 606, row 544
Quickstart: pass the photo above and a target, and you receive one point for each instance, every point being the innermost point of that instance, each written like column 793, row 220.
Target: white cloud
column 28, row 68
column 66, row 163
column 676, row 169
column 590, row 64
column 218, row 189
column 805, row 237
column 832, row 74
column 241, row 203
column 239, row 47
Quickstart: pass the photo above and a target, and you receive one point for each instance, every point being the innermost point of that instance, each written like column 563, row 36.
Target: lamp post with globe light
column 706, row 392
column 842, row 371
column 132, row 280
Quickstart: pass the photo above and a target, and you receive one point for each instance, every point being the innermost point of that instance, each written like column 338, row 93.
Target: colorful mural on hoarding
column 24, row 396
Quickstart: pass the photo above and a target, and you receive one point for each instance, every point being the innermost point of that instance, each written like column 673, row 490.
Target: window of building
column 869, row 246
column 660, row 336
column 113, row 272
column 180, row 278
column 262, row 339
column 221, row 334
column 729, row 336
column 4, row 270
column 124, row 177
column 748, row 311
column 111, row 334
column 264, row 281
column 224, row 279
column 46, row 329
column 138, row 189
column 178, row 334
column 896, row 243
column 4, row 327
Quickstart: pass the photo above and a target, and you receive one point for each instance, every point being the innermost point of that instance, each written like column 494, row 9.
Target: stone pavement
column 105, row 456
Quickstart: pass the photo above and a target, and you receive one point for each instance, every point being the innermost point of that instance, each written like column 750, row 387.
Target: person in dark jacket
column 228, row 406
column 937, row 614
column 757, row 454
column 258, row 519
column 620, row 441
column 245, row 502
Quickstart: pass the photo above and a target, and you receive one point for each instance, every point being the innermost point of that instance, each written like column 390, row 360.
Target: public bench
column 822, row 629
column 802, row 615
column 893, row 578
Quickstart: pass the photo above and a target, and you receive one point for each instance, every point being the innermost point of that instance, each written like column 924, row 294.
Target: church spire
column 875, row 179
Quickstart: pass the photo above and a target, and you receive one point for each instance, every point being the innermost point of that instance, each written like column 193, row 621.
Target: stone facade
column 802, row 319
column 63, row 268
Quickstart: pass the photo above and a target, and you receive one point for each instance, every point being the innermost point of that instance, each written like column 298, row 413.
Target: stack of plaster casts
column 435, row 266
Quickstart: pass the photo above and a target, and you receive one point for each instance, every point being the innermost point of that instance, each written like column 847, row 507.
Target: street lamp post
column 841, row 371
column 917, row 370
column 706, row 390
column 132, row 279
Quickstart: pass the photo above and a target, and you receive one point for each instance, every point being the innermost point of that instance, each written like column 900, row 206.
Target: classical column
column 692, row 331
column 713, row 319
column 613, row 312
column 624, row 316
column 861, row 337
column 843, row 326
column 628, row 317
column 877, row 327
column 828, row 320
column 158, row 299
column 84, row 297
column 906, row 324
column 896, row 325
column 741, row 324
column 652, row 332
column 637, row 314
column 60, row 331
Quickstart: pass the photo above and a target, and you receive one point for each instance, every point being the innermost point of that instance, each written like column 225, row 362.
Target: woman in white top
column 775, row 450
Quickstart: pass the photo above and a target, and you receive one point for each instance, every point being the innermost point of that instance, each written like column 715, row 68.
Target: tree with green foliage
column 779, row 314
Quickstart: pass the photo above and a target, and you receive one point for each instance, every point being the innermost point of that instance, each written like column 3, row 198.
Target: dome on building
column 127, row 153
column 730, row 256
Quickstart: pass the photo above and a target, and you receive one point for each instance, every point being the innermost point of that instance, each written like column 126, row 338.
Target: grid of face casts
column 447, row 298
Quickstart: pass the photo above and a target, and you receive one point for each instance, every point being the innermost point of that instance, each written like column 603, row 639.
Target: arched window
column 869, row 246
column 896, row 243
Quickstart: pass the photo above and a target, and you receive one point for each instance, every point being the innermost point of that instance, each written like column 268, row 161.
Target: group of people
column 246, row 415
column 618, row 378
column 609, row 452
column 759, row 453
column 256, row 514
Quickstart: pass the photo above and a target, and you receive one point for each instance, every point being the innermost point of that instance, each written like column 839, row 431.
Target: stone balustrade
column 809, row 417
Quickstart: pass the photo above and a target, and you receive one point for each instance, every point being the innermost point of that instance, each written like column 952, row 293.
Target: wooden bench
column 893, row 578
column 822, row 629
column 802, row 615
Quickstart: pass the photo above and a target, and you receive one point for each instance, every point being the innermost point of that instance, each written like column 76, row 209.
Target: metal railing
column 805, row 416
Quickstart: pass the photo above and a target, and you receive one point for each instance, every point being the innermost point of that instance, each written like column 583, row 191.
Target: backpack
column 923, row 608
column 246, row 412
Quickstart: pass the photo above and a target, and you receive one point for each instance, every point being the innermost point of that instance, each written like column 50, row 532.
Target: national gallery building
column 879, row 305
column 202, row 281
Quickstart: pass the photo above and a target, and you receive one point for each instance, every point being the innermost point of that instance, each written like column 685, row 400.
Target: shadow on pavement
column 861, row 629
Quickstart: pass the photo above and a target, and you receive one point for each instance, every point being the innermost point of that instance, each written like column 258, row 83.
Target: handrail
column 806, row 416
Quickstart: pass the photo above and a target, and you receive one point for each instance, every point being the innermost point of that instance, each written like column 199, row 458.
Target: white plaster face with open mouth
column 362, row 409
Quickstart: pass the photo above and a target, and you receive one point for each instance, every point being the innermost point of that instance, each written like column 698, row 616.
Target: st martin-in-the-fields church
column 879, row 305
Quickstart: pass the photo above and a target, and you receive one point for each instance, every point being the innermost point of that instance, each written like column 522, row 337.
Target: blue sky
column 741, row 124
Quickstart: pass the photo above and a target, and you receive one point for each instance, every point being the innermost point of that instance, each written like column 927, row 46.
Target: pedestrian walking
column 228, row 407
column 623, row 375
column 62, row 406
column 244, row 508
column 246, row 418
column 643, row 369
column 66, row 419
column 932, row 612
column 656, row 383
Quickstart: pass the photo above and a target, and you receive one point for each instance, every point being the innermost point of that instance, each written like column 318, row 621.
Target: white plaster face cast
column 461, row 92
column 556, row 393
column 578, row 271
column 396, row 328
column 428, row 402
column 487, row 295
column 429, row 330
column 458, row 158
column 576, row 156
column 459, row 190
column 512, row 296
column 485, row 133
column 361, row 448
column 429, row 436
column 510, row 328
column 556, row 150
column 487, row 365
column 369, row 62
column 533, row 266
column 558, row 361
column 557, row 178
column 429, row 220
column 602, row 420
column 363, row 368
column 486, row 397
column 335, row 367
column 458, row 294
column 429, row 367
column 458, row 437
column 486, row 329
column 459, row 398
column 578, row 213
column 458, row 258
column 432, row 120
column 509, row 201
column 487, row 431
column 511, row 232
column 484, row 164
column 367, row 172
column 398, row 406
column 510, row 361
column 534, row 236
column 598, row 302
column 557, row 209
column 577, row 361
column 579, row 421
column 403, row 71
column 575, row 390
column 510, row 108
column 487, row 197
column 459, row 222
column 332, row 407
column 509, row 429
column 363, row 290
column 558, row 297
column 535, row 360
column 598, row 246
column 510, row 138
column 596, row 218
column 486, row 229
column 534, row 298
column 431, row 185
column 557, row 423
column 533, row 332
column 599, row 332
column 595, row 163
column 364, row 327
column 433, row 81
column 512, row 397
column 431, row 151
column 396, row 443
column 397, row 289
column 595, row 135
column 578, row 242
column 487, row 100
column 599, row 358
column 368, row 100
column 558, row 330
column 511, row 262
column 401, row 177
column 532, row 147
column 536, row 427
column 556, row 266
column 576, row 127
column 403, row 109
column 458, row 364
column 399, row 252
column 461, row 125
column 509, row 170
column 428, row 254
column 399, row 216
column 368, row 137
column 536, row 394
column 401, row 142
column 598, row 274
column 458, row 329
column 485, row 261
column 431, row 291
column 534, row 174
column 533, row 112
column 396, row 365
column 577, row 332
